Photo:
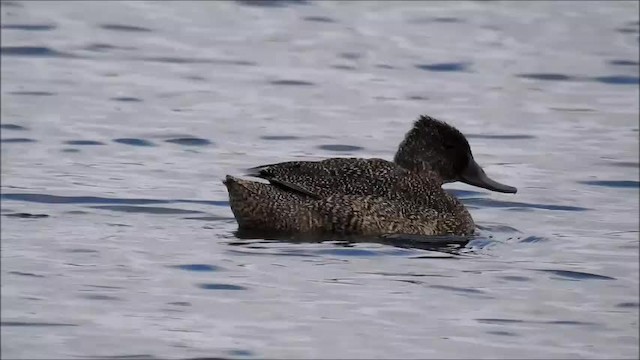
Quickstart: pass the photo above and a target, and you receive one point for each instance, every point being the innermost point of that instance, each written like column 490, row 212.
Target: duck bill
column 474, row 175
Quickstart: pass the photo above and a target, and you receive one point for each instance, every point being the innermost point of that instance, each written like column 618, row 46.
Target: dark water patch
column 133, row 142
column 457, row 289
column 618, row 80
column 499, row 321
column 212, row 286
column 385, row 66
column 36, row 324
column 340, row 147
column 20, row 273
column 82, row 251
column 125, row 28
column 239, row 352
column 23, row 215
column 515, row 278
column 99, row 47
column 69, row 150
column 271, row 3
column 612, row 183
column 28, row 27
column 571, row 109
column 546, row 76
column 55, row 199
column 17, row 140
column 502, row 333
column 117, row 225
column 181, row 60
column 624, row 62
column 13, row 127
column 196, row 267
column 350, row 55
column 344, row 67
column 33, row 51
column 101, row 297
column 83, row 142
column 533, row 239
column 628, row 305
column 146, row 209
column 189, row 141
column 32, row 93
column 417, row 97
column 291, row 83
column 576, row 275
column 569, row 322
column 13, row 4
column 279, row 137
column 105, row 287
column 447, row 20
column 179, row 303
column 627, row 30
column 483, row 202
column 445, row 67
column 500, row 137
column 631, row 164
column 126, row 99
column 322, row 19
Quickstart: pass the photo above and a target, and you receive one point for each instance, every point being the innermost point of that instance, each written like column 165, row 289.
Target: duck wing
column 320, row 179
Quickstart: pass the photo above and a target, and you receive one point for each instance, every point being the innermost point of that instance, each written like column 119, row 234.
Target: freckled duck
column 368, row 197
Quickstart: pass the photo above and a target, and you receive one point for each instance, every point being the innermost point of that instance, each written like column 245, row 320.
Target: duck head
column 432, row 145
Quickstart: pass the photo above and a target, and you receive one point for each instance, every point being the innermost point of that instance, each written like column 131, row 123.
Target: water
column 120, row 119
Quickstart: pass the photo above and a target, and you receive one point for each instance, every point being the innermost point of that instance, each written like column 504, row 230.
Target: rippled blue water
column 120, row 119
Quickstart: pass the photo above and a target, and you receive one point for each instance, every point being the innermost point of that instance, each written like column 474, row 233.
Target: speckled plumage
column 354, row 196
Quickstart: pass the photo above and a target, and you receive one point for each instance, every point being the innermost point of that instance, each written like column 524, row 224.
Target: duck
column 366, row 196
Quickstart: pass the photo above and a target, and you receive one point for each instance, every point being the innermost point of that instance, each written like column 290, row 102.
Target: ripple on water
column 13, row 127
column 493, row 203
column 340, row 147
column 32, row 93
column 624, row 62
column 291, row 82
column 28, row 27
column 613, row 183
column 57, row 199
column 618, row 80
column 215, row 286
column 322, row 19
column 196, row 267
column 33, row 51
column 133, row 142
column 83, row 142
column 33, row 323
column 546, row 76
column 126, row 99
column 125, row 28
column 23, row 215
column 16, row 140
column 146, row 209
column 575, row 275
column 20, row 273
column 105, row 47
column 279, row 137
column 189, row 141
column 445, row 67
